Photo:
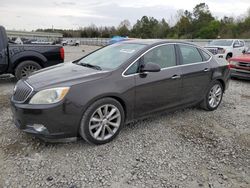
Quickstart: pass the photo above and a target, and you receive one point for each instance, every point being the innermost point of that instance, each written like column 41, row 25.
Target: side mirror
column 150, row 67
column 244, row 51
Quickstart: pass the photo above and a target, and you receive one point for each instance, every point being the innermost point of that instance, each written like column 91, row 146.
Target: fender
column 128, row 108
column 18, row 54
column 217, row 75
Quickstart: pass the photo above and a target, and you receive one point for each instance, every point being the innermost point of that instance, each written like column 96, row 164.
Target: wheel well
column 222, row 83
column 230, row 54
column 121, row 102
column 117, row 99
column 35, row 59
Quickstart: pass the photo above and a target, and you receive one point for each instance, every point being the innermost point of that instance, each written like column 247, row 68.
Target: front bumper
column 239, row 73
column 56, row 122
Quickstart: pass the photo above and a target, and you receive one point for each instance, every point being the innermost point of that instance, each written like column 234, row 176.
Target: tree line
column 200, row 23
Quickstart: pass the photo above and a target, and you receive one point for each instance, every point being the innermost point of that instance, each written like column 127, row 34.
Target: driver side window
column 164, row 56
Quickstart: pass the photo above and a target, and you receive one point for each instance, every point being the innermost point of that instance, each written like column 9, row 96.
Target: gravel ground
column 188, row 148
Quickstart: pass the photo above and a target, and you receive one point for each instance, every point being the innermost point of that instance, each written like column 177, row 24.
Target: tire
column 207, row 103
column 25, row 68
column 97, row 130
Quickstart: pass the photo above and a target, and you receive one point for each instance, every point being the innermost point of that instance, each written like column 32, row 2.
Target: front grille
column 214, row 51
column 22, row 91
column 243, row 64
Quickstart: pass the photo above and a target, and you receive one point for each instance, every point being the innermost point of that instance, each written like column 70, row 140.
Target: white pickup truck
column 226, row 48
column 70, row 42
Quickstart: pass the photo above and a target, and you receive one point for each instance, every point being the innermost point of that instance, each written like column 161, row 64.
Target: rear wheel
column 25, row 68
column 213, row 97
column 102, row 121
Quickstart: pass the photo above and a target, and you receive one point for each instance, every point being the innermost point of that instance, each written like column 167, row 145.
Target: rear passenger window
column 206, row 55
column 190, row 54
column 164, row 56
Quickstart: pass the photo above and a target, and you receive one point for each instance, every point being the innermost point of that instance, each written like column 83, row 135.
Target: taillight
column 62, row 53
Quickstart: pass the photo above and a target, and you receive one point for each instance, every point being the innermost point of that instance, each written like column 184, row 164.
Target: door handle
column 206, row 69
column 175, row 77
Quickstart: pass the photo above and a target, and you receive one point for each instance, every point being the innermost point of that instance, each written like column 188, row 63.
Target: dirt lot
column 188, row 148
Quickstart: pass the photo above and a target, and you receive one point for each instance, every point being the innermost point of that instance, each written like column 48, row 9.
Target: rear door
column 158, row 90
column 3, row 50
column 196, row 73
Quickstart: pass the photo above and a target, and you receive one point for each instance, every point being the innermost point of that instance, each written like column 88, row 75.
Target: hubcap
column 105, row 122
column 215, row 95
column 27, row 70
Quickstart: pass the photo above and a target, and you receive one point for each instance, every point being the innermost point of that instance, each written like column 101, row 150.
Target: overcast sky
column 72, row 14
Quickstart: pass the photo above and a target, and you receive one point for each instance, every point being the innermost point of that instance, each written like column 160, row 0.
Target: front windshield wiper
column 91, row 66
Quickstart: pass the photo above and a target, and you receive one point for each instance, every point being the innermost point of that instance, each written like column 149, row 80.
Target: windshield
column 112, row 56
column 221, row 43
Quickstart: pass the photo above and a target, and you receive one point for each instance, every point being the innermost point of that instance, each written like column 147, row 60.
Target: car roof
column 155, row 41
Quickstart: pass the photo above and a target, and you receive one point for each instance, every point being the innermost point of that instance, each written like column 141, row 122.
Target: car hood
column 242, row 58
column 65, row 74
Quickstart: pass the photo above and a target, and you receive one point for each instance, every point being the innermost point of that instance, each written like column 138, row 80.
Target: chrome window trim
column 123, row 73
column 27, row 96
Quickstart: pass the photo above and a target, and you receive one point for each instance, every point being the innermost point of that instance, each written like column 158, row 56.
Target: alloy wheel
column 104, row 122
column 27, row 70
column 215, row 96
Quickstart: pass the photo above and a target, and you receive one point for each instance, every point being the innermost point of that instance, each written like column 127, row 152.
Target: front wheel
column 102, row 121
column 213, row 97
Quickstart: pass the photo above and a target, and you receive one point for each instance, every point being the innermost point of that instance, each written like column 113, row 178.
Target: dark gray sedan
column 95, row 96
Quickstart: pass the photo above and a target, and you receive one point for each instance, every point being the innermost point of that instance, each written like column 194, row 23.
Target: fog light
column 39, row 127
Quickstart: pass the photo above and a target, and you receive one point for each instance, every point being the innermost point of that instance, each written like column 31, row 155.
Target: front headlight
column 49, row 96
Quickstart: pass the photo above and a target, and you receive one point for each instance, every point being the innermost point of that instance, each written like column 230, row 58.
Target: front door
column 158, row 90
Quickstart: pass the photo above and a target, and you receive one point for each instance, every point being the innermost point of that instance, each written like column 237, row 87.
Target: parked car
column 71, row 42
column 226, row 48
column 116, row 39
column 22, row 60
column 97, row 94
column 240, row 66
